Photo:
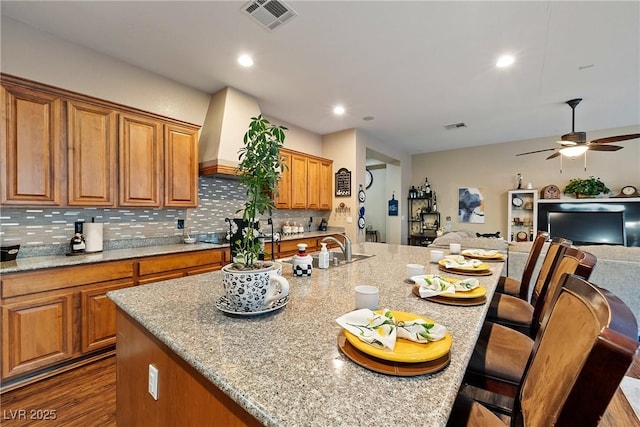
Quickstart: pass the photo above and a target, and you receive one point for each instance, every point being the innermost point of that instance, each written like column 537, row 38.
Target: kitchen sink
column 332, row 255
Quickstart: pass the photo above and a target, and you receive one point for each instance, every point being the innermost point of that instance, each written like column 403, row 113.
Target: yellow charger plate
column 481, row 267
column 405, row 351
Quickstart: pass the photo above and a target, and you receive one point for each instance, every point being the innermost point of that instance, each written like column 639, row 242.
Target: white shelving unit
column 522, row 220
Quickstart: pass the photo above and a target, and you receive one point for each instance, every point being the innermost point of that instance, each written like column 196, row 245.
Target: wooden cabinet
column 325, row 185
column 55, row 317
column 283, row 201
column 140, row 154
column 36, row 333
column 313, row 183
column 61, row 148
column 180, row 167
column 306, row 183
column 92, row 139
column 99, row 315
column 31, row 165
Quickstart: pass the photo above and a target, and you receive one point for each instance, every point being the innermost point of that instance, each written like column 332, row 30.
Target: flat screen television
column 588, row 228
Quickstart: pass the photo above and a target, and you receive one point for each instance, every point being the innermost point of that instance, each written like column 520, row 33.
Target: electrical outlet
column 180, row 224
column 153, row 381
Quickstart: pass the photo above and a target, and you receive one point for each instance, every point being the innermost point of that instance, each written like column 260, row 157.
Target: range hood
column 223, row 130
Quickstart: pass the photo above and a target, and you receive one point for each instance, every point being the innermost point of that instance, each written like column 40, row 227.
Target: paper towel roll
column 93, row 236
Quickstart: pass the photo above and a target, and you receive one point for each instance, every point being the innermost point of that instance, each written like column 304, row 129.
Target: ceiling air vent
column 269, row 13
column 455, row 126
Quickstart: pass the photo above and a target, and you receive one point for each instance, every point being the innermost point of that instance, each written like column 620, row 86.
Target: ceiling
column 414, row 66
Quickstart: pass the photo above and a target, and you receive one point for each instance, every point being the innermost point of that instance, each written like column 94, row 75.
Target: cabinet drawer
column 163, row 263
column 58, row 278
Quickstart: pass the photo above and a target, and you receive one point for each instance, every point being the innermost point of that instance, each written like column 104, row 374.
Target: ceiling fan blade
column 596, row 147
column 615, row 138
column 553, row 155
column 537, row 151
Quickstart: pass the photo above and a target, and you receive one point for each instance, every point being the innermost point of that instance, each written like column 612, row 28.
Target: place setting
column 458, row 264
column 392, row 342
column 484, row 254
column 449, row 290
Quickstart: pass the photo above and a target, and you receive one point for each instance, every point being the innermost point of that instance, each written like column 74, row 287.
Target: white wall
column 376, row 205
column 38, row 56
column 494, row 167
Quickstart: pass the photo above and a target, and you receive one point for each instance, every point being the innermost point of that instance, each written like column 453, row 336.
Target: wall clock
column 368, row 179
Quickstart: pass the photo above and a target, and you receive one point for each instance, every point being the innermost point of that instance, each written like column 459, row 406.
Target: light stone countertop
column 52, row 261
column 285, row 367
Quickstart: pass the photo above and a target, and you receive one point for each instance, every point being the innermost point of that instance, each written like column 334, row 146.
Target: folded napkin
column 487, row 253
column 461, row 262
column 421, row 331
column 382, row 330
column 431, row 286
column 379, row 330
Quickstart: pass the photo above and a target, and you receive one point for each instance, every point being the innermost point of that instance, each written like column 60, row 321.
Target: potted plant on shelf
column 249, row 284
column 589, row 187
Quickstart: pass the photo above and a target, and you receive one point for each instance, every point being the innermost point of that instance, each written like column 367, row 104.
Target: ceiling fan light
column 574, row 150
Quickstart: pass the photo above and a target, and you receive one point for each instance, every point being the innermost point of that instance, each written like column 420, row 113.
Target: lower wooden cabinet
column 55, row 317
column 99, row 315
column 36, row 333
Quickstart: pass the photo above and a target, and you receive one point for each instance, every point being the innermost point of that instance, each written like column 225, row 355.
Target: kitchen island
column 283, row 368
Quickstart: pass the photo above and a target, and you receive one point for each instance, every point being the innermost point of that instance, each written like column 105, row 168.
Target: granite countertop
column 52, row 261
column 285, row 367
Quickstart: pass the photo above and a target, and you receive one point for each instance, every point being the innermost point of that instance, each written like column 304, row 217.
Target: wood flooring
column 85, row 396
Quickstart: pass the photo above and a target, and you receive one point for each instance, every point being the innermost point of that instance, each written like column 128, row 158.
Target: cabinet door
column 180, row 167
column 91, row 160
column 99, row 316
column 298, row 182
column 326, row 185
column 283, row 200
column 140, row 156
column 313, row 183
column 30, row 147
column 36, row 333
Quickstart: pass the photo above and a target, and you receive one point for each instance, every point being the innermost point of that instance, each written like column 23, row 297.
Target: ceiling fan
column 575, row 143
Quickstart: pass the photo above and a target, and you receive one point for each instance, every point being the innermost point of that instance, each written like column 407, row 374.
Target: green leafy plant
column 259, row 169
column 589, row 187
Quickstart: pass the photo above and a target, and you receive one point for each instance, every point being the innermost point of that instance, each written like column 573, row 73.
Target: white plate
column 225, row 306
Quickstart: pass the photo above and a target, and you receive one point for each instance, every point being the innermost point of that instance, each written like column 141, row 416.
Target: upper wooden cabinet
column 31, row 165
column 283, row 201
column 61, row 148
column 140, row 153
column 92, row 140
column 307, row 182
column 180, row 166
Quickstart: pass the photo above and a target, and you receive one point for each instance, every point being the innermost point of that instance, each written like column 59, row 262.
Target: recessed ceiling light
column 338, row 110
column 245, row 60
column 505, row 61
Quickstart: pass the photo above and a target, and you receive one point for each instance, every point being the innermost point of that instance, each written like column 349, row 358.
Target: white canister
column 302, row 262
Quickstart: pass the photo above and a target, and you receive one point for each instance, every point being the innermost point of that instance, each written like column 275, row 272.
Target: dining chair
column 580, row 357
column 520, row 288
column 500, row 356
column 517, row 313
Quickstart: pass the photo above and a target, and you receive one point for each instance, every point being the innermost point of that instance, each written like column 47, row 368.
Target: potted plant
column 589, row 187
column 249, row 283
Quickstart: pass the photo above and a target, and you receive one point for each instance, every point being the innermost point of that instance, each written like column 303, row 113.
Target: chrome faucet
column 346, row 247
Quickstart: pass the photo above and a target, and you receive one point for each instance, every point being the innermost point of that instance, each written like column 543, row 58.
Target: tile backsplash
column 47, row 231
